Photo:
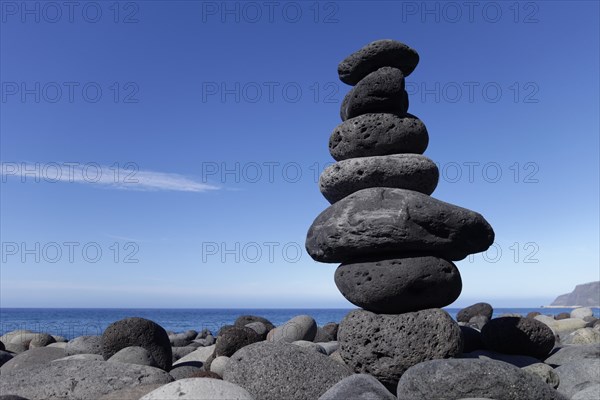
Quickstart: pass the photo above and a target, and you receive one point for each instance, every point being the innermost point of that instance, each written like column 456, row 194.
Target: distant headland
column 584, row 295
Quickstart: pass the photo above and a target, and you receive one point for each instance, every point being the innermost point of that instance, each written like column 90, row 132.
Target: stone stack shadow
column 395, row 243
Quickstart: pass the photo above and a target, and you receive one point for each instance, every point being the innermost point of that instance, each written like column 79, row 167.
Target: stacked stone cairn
column 395, row 243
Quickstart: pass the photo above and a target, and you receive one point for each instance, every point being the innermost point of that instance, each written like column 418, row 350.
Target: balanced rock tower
column 395, row 243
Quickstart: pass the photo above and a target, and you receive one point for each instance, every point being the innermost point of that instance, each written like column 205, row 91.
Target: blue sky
column 166, row 154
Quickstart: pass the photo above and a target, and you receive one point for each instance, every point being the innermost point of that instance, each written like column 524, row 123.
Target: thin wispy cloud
column 126, row 177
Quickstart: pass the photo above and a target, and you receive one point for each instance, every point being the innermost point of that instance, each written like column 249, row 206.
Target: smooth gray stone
column 276, row 371
column 84, row 345
column 134, row 355
column 380, row 134
column 329, row 347
column 138, row 332
column 218, row 365
column 464, row 378
column 403, row 171
column 568, row 354
column 387, row 345
column 12, row 397
column 517, row 335
column 234, row 339
column 301, row 327
column 78, row 380
column 377, row 54
column 179, row 352
column 577, row 375
column 259, row 328
column 94, row 357
column 474, row 310
column 16, row 348
column 32, row 357
column 377, row 222
column 134, row 393
column 184, row 371
column 199, row 389
column 310, row 346
column 544, row 372
column 591, row 392
column 381, row 91
column 358, row 387
column 399, row 285
column 583, row 336
column 516, row 360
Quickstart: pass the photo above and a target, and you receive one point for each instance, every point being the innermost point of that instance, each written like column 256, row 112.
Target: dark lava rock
column 399, row 285
column 327, row 333
column 276, row 371
column 514, row 335
column 479, row 321
column 2, row 348
column 224, row 329
column 383, row 221
column 387, row 345
column 378, row 135
column 381, row 91
column 234, row 339
column 381, row 53
column 184, row 371
column 138, row 332
column 471, row 339
column 464, row 378
column 532, row 314
column 404, row 171
column 244, row 320
column 467, row 313
column 206, row 374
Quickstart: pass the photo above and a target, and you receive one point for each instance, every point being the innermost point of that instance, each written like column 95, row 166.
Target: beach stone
column 133, row 393
column 244, row 320
column 301, row 327
column 16, row 348
column 562, row 315
column 206, row 374
column 562, row 327
column 514, row 359
column 134, row 355
column 329, row 347
column 12, row 397
column 279, row 370
column 138, row 332
column 524, row 336
column 200, row 355
column 377, row 54
column 569, row 354
column 224, row 329
column 78, row 380
column 59, row 339
column 94, row 357
column 2, row 348
column 398, row 285
column 381, row 91
column 204, row 333
column 591, row 392
column 179, row 352
column 404, row 171
column 582, row 312
column 218, row 365
column 180, row 339
column 465, row 378
column 185, row 370
column 207, row 341
column 378, row 134
column 24, row 338
column 41, row 340
column 532, row 314
column 259, row 328
column 32, row 357
column 84, row 345
column 327, row 333
column 471, row 339
column 234, row 339
column 358, row 387
column 544, row 372
column 387, row 345
column 583, row 336
column 384, row 221
column 199, row 389
column 58, row 345
column 467, row 313
column 479, row 321
column 577, row 375
column 590, row 321
column 310, row 346
column 335, row 356
column 5, row 356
